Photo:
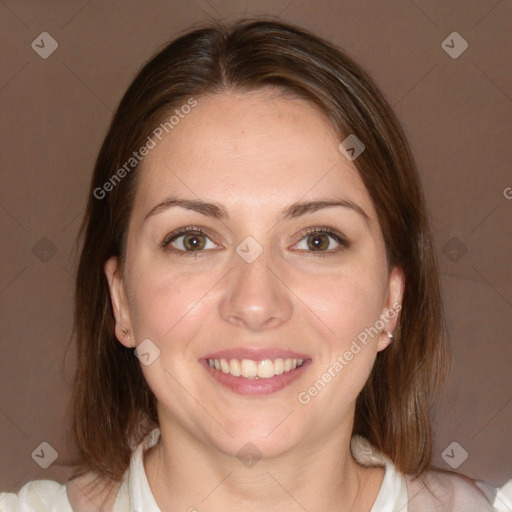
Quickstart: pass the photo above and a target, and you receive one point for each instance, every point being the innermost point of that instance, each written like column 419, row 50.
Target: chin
column 270, row 437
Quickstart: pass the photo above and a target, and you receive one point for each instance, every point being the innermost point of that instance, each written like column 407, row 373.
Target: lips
column 255, row 371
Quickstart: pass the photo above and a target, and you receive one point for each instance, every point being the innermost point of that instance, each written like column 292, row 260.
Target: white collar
column 393, row 491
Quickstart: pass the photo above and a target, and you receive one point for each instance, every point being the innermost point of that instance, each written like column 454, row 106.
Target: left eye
column 318, row 240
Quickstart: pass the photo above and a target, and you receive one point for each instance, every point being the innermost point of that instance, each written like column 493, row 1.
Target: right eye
column 188, row 240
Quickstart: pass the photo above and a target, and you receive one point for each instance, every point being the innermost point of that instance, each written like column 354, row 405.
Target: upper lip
column 256, row 354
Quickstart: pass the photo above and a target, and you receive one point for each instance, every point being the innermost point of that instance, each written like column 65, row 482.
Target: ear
column 124, row 330
column 392, row 307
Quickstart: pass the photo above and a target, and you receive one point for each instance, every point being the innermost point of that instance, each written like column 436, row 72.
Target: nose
column 255, row 294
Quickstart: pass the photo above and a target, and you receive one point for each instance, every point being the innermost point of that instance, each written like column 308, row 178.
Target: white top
column 398, row 493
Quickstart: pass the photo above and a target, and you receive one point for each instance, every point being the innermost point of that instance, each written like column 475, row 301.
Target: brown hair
column 112, row 405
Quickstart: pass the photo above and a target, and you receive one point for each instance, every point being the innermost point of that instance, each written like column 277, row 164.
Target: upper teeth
column 250, row 369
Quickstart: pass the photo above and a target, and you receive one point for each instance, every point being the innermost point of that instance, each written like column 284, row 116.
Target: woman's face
column 254, row 288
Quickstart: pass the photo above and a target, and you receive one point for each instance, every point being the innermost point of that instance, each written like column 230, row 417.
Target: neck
column 187, row 474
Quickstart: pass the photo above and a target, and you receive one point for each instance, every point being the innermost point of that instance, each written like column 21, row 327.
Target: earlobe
column 118, row 301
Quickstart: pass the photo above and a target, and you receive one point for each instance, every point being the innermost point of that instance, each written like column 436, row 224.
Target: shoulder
column 37, row 496
column 448, row 491
column 503, row 502
column 77, row 495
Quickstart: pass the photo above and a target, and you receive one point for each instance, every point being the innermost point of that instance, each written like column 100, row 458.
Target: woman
column 292, row 361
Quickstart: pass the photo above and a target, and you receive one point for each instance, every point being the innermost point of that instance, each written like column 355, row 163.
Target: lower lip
column 255, row 387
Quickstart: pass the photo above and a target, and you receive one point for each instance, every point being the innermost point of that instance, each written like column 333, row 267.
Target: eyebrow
column 217, row 211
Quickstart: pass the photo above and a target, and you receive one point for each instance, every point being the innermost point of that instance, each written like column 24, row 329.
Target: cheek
column 346, row 344
column 346, row 305
column 168, row 305
column 347, row 302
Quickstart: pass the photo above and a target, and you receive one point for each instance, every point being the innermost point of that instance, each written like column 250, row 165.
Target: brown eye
column 318, row 242
column 186, row 241
column 193, row 242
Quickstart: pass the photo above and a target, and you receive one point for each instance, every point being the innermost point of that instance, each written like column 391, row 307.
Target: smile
column 255, row 371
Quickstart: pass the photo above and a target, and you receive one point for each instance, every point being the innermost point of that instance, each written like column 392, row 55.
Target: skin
column 255, row 154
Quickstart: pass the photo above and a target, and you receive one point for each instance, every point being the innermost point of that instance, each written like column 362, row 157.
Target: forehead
column 247, row 151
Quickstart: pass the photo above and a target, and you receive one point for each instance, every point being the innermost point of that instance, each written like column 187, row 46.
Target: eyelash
column 171, row 237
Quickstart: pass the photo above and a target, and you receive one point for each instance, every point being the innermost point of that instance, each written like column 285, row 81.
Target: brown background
column 55, row 112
